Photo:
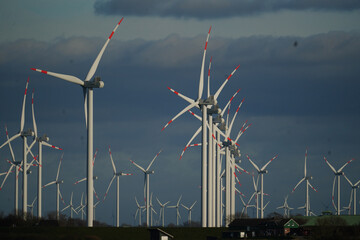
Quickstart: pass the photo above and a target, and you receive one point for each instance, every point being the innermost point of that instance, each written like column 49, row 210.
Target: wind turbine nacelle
column 218, row 119
column 44, row 138
column 96, row 83
column 60, row 182
column 150, row 172
column 95, row 177
column 28, row 172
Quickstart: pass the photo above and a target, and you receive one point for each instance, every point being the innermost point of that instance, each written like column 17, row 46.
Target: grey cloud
column 205, row 9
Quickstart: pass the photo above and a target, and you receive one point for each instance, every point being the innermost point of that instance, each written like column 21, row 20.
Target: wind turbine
column 58, row 193
column 286, row 207
column 338, row 174
column 41, row 141
column 177, row 211
column 117, row 176
column 138, row 211
column 71, row 206
column 261, row 172
column 24, row 135
column 95, row 205
column 306, row 178
column 162, row 211
column 81, row 207
column 189, row 209
column 147, row 173
column 87, row 86
column 31, row 207
column 353, row 191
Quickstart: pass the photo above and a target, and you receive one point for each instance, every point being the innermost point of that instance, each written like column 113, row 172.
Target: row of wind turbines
column 219, row 152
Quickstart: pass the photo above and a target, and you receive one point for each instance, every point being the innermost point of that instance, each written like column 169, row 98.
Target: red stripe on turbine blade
column 112, row 33
column 121, row 20
column 44, row 71
column 206, row 45
column 196, row 144
column 34, row 69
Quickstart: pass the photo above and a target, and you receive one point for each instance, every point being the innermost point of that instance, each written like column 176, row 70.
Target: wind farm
column 192, row 184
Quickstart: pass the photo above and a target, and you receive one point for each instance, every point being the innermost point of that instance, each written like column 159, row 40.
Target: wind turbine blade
column 255, row 166
column 52, row 146
column 33, row 114
column 346, row 164
column 98, row 58
column 112, row 161
column 193, row 205
column 22, row 121
column 107, row 190
column 58, row 171
column 11, row 150
column 242, row 130
column 180, row 113
column 332, row 168
column 208, row 89
column 232, row 122
column 263, row 168
column 223, row 85
column 79, row 181
column 50, row 183
column 332, row 194
column 229, row 102
column 11, row 139
column 298, row 184
column 95, row 157
column 348, row 181
column 65, row 208
column 62, row 199
column 153, row 160
column 201, row 82
column 141, row 168
column 179, row 201
column 312, row 187
column 185, row 207
column 137, row 203
column 190, row 141
column 189, row 100
column 65, row 77
column 305, row 162
column 195, row 115
column 357, row 183
column 159, row 202
column 85, row 91
column 6, row 176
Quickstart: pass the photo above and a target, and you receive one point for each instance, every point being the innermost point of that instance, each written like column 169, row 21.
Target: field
column 124, row 233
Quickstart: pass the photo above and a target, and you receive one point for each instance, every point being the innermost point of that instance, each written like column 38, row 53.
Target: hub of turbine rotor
column 95, row 83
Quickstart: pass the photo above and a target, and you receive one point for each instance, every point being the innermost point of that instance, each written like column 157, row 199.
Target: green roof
column 291, row 224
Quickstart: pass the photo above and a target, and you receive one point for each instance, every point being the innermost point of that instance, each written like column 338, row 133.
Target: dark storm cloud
column 205, row 9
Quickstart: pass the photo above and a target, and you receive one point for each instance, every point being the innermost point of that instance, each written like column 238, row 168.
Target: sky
column 298, row 74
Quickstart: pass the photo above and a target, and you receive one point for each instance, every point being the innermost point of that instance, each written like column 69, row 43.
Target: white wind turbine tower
column 353, row 191
column 147, row 173
column 177, row 210
column 88, row 86
column 338, row 174
column 306, row 178
column 58, row 193
column 162, row 211
column 261, row 172
column 95, row 205
column 41, row 141
column 117, row 176
column 189, row 209
column 71, row 206
column 138, row 211
column 24, row 135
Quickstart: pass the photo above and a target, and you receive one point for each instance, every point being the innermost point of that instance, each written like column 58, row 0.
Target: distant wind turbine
column 117, row 176
column 147, row 173
column 189, row 209
column 306, row 178
column 177, row 211
column 353, row 190
column 261, row 172
column 58, row 193
column 162, row 211
column 338, row 173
